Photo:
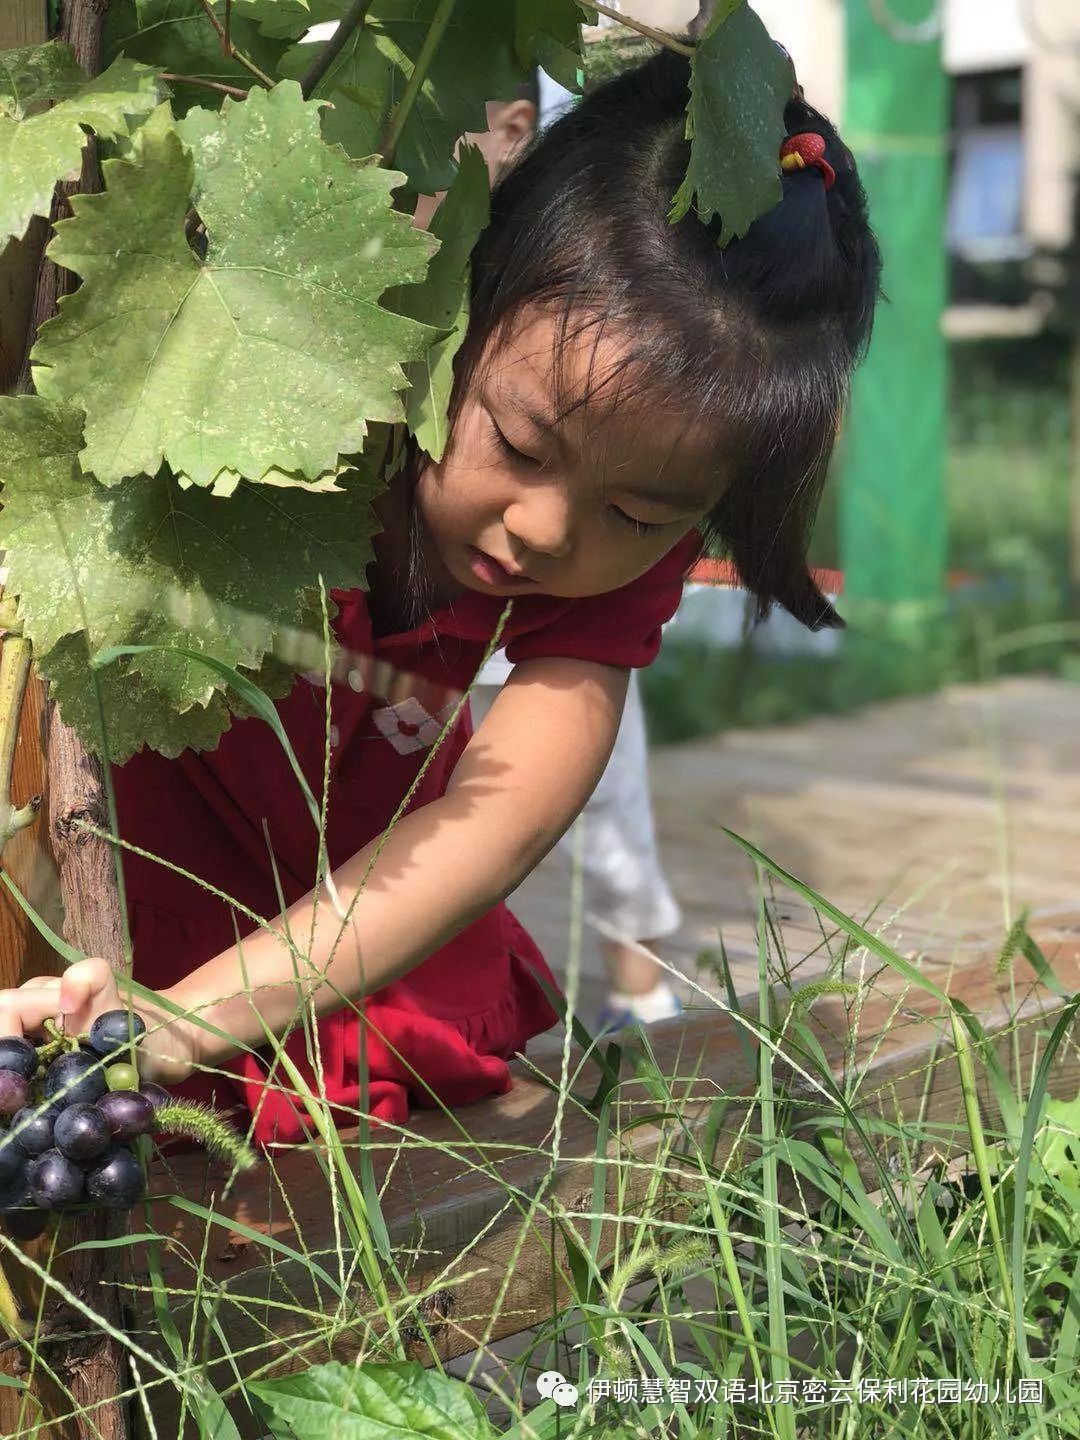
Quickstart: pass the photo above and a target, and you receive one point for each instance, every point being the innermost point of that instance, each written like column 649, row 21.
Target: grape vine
column 255, row 309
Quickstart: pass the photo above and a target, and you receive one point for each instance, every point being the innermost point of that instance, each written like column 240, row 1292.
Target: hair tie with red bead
column 808, row 149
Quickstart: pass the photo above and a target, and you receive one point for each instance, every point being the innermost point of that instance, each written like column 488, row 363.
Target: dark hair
column 758, row 339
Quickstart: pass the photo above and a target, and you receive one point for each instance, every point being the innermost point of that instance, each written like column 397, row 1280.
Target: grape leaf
column 145, row 562
column 37, row 150
column 1059, row 1151
column 176, row 36
column 549, row 35
column 272, row 352
column 38, row 72
column 740, row 82
column 443, row 299
column 135, row 714
column 225, row 482
column 289, row 19
column 476, row 60
column 358, row 1402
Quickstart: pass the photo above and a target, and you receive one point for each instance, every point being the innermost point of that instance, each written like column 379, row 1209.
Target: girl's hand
column 86, row 990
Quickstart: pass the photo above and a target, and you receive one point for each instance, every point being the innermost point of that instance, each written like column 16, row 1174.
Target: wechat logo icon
column 553, row 1386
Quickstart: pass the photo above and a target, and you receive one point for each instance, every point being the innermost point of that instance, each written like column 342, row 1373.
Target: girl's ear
column 513, row 127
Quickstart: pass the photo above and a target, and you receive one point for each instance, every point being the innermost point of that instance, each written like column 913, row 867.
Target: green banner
column 893, row 510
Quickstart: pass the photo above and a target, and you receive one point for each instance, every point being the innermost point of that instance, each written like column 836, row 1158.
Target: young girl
column 626, row 392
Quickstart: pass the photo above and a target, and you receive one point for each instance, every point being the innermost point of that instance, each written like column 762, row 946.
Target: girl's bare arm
column 519, row 784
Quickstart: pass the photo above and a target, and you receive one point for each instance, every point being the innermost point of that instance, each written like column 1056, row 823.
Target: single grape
column 14, row 1092
column 12, row 1158
column 128, row 1112
column 83, row 1132
column 156, row 1094
column 116, row 1181
column 32, row 1128
column 54, row 1180
column 122, row 1077
column 15, row 1193
column 75, row 1078
column 26, row 1224
column 115, row 1030
column 19, row 1055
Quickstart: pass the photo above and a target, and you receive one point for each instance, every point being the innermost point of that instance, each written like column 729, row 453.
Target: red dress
column 448, row 1026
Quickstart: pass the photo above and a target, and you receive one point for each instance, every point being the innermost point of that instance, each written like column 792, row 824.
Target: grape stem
column 58, row 1043
column 9, row 618
column 229, row 50
column 661, row 37
column 350, row 22
column 436, row 29
column 15, row 657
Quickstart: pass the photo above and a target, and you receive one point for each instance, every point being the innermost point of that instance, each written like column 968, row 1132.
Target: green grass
column 803, row 1231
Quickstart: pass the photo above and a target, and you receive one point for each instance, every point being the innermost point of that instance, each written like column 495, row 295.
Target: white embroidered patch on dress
column 408, row 726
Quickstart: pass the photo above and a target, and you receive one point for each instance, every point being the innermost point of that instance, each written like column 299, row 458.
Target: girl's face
column 571, row 507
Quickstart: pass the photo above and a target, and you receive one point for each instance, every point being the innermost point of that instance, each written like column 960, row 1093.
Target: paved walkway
column 939, row 817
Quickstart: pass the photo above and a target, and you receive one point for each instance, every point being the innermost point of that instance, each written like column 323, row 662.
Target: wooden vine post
column 80, row 1372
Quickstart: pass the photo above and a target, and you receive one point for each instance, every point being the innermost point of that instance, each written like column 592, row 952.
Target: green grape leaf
column 146, row 563
column 443, row 300
column 176, row 36
column 134, row 713
column 740, row 82
column 476, row 60
column 360, row 1402
column 549, row 35
column 39, row 149
column 226, row 482
column 272, row 352
column 36, row 73
column 289, row 19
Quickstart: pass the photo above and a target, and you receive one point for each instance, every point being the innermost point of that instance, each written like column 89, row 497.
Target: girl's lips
column 492, row 573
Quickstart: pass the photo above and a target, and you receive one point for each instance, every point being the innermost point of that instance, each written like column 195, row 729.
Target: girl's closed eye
column 509, row 450
column 643, row 527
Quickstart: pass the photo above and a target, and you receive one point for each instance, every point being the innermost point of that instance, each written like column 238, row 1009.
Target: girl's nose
column 541, row 522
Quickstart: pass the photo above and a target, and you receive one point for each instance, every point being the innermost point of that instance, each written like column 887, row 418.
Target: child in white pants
column 623, row 880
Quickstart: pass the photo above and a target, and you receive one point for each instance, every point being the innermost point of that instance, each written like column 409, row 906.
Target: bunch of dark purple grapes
column 73, row 1105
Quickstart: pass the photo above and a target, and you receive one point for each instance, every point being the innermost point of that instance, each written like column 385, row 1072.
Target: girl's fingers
column 42, row 982
column 75, row 999
column 25, row 1010
column 87, row 986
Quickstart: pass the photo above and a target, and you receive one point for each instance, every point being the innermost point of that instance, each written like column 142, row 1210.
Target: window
column 985, row 201
column 985, row 214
